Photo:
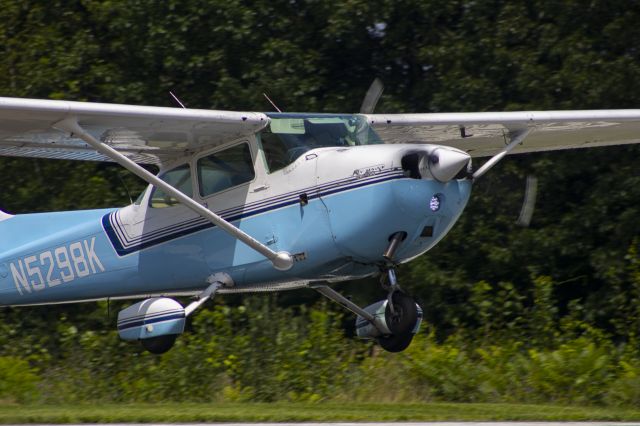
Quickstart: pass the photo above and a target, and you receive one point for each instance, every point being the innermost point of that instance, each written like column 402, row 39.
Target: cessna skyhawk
column 250, row 201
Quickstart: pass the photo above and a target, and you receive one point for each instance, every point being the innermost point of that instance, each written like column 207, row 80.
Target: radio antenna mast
column 271, row 102
column 177, row 100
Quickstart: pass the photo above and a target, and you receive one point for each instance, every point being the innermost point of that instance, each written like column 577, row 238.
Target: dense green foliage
column 288, row 412
column 258, row 351
column 545, row 313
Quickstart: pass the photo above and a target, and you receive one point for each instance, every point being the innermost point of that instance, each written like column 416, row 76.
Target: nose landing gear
column 392, row 322
column 403, row 317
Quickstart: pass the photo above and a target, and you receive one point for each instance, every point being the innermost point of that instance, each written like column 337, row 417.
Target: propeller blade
column 529, row 203
column 371, row 98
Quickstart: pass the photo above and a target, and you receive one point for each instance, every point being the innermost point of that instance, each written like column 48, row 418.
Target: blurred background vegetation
column 546, row 313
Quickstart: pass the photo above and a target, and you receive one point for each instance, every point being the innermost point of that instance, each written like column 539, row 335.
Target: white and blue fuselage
column 332, row 203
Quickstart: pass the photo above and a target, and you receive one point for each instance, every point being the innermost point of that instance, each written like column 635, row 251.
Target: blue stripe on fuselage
column 123, row 246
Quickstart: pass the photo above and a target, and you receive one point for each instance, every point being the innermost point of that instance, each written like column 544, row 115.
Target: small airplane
column 258, row 202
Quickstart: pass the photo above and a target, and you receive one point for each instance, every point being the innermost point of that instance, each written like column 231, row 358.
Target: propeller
column 371, row 98
column 529, row 202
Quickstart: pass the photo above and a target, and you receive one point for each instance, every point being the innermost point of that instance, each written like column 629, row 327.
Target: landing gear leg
column 161, row 344
column 330, row 293
column 391, row 285
column 158, row 321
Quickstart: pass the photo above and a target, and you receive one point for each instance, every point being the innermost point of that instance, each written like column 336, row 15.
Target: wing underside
column 486, row 134
column 150, row 135
column 155, row 135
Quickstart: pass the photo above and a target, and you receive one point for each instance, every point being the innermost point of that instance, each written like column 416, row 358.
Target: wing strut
column 516, row 139
column 281, row 261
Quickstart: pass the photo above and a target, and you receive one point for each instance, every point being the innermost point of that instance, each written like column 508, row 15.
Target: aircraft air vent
column 411, row 165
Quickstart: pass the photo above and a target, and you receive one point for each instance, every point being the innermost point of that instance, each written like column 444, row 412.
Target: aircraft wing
column 147, row 135
column 487, row 133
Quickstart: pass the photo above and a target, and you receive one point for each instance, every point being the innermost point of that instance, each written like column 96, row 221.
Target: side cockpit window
column 225, row 169
column 275, row 151
column 179, row 178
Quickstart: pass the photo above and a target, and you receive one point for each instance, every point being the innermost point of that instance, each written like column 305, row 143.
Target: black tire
column 160, row 344
column 395, row 343
column 403, row 321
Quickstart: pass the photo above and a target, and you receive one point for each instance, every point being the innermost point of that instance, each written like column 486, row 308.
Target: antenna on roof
column 177, row 100
column 271, row 102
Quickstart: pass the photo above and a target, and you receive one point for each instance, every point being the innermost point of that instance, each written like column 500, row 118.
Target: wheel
column 400, row 322
column 395, row 342
column 403, row 319
column 160, row 344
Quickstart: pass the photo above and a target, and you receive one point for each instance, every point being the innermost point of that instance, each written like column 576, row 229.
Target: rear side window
column 225, row 169
column 179, row 178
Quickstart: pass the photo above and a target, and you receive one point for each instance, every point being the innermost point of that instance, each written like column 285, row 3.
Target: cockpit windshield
column 288, row 136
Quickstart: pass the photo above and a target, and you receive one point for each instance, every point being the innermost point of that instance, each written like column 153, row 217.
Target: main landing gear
column 392, row 322
column 157, row 322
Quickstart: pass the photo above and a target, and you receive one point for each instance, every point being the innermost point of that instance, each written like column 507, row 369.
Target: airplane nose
column 444, row 164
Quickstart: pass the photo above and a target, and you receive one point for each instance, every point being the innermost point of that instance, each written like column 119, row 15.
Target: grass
column 298, row 412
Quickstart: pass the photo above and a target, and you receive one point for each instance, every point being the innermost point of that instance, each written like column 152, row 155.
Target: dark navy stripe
column 295, row 194
column 150, row 321
column 167, row 230
column 114, row 222
column 108, row 229
column 291, row 197
column 186, row 228
column 149, row 316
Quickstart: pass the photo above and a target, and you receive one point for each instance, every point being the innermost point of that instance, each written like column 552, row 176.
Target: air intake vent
column 411, row 166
